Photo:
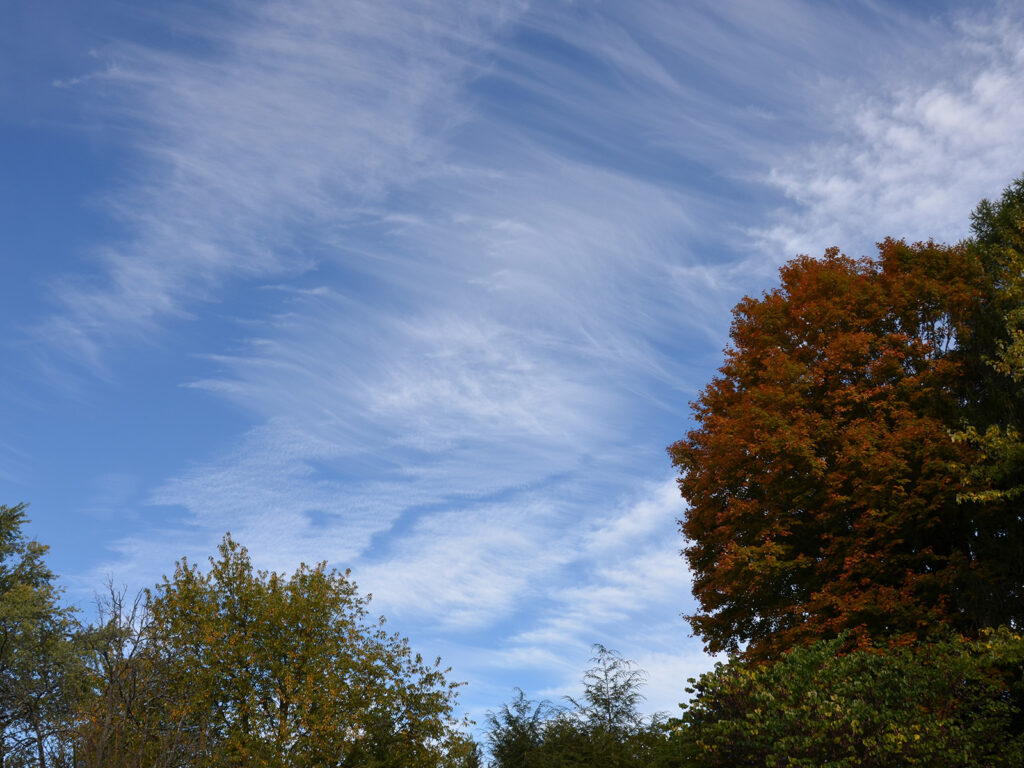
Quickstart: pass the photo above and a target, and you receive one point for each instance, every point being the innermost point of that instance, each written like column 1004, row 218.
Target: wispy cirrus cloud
column 622, row 584
column 275, row 117
column 284, row 117
column 465, row 569
column 486, row 252
column 625, row 563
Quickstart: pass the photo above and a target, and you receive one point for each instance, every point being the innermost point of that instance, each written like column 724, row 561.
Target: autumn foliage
column 825, row 492
column 235, row 666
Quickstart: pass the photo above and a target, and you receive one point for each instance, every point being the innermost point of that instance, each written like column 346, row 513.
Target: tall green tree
column 604, row 728
column 998, row 241
column 611, row 693
column 821, row 479
column 40, row 659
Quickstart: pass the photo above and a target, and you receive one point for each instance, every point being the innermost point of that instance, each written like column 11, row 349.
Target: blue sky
column 424, row 288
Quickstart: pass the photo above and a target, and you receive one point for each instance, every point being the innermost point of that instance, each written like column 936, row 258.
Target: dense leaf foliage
column 257, row 669
column 823, row 485
column 947, row 704
column 516, row 733
column 997, row 430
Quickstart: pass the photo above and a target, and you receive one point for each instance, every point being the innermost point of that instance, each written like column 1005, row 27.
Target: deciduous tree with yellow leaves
column 260, row 669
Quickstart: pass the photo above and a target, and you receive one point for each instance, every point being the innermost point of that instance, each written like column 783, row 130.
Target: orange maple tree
column 821, row 476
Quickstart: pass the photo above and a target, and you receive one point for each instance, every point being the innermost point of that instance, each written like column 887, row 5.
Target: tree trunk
column 40, row 746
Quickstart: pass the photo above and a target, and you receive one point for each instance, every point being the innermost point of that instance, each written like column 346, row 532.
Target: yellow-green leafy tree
column 260, row 669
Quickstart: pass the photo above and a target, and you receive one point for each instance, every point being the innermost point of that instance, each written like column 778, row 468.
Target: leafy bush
column 947, row 703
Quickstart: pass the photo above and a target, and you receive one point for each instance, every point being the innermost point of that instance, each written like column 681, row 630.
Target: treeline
column 603, row 727
column 225, row 667
column 947, row 703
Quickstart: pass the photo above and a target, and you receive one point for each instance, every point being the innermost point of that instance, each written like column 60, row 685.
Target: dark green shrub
column 942, row 704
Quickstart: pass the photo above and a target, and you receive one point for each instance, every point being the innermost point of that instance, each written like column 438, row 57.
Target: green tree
column 606, row 723
column 822, row 482
column 611, row 693
column 603, row 728
column 517, row 731
column 267, row 670
column 996, row 430
column 40, row 659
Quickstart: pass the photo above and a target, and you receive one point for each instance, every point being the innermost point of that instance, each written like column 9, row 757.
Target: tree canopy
column 825, row 490
column 224, row 667
column 996, row 431
column 261, row 669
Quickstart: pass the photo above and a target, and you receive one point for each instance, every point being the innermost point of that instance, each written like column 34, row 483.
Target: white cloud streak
column 289, row 116
column 465, row 569
column 626, row 564
column 913, row 160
